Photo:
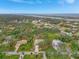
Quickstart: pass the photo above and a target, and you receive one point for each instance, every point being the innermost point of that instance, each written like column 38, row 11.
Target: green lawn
column 9, row 57
column 12, row 57
column 26, row 47
column 6, row 48
column 33, row 56
column 58, row 57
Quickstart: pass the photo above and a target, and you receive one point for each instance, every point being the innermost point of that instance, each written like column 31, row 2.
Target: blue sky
column 39, row 6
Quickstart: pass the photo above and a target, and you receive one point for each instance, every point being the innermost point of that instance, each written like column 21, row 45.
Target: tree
column 2, row 56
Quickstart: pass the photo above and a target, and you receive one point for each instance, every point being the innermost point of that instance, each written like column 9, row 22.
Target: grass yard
column 33, row 56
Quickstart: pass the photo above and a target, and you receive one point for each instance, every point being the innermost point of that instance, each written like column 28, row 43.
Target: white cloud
column 27, row 1
column 70, row 1
column 17, row 0
column 32, row 1
column 41, row 1
column 62, row 2
column 23, row 1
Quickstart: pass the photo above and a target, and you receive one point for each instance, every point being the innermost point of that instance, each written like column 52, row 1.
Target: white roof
column 56, row 42
column 36, row 48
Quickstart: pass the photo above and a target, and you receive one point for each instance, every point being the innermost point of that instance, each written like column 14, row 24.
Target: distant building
column 8, row 38
column 37, row 41
column 0, row 30
column 36, row 49
column 66, row 33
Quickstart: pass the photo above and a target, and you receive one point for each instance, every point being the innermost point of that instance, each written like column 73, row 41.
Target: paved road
column 16, row 53
column 28, row 53
column 24, row 53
